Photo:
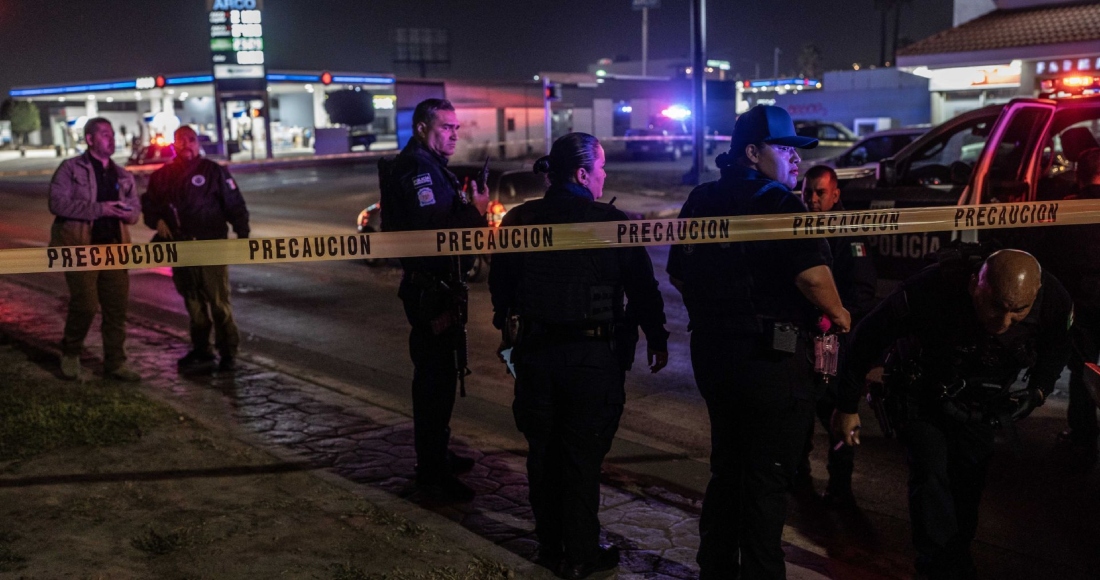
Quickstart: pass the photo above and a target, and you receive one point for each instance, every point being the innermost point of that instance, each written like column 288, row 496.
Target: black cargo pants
column 759, row 403
column 435, row 376
column 948, row 463
column 569, row 398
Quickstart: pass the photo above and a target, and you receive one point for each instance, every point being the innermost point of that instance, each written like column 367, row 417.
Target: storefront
column 148, row 107
column 1010, row 48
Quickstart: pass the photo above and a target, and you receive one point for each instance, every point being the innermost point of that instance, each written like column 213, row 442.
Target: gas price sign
column 236, row 40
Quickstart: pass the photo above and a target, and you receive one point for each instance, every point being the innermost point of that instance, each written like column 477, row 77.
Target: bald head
column 1005, row 288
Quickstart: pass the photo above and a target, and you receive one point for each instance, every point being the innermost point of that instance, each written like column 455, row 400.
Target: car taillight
column 496, row 213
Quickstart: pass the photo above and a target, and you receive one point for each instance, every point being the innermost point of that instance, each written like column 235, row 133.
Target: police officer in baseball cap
column 752, row 307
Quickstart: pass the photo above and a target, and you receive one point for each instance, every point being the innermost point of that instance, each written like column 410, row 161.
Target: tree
column 23, row 116
column 884, row 7
column 809, row 61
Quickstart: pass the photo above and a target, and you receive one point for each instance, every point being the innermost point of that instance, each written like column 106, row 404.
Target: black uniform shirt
column 731, row 287
column 205, row 199
column 628, row 268
column 422, row 194
column 854, row 273
column 105, row 230
column 934, row 311
column 1072, row 253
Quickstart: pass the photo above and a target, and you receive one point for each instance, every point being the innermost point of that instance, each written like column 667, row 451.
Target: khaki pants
column 108, row 290
column 205, row 292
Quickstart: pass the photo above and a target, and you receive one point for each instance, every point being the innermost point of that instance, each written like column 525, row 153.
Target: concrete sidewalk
column 368, row 448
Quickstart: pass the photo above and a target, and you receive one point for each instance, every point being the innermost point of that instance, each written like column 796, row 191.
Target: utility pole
column 775, row 71
column 699, row 92
column 645, row 40
column 549, row 119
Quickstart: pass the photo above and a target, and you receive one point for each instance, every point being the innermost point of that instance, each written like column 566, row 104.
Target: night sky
column 56, row 41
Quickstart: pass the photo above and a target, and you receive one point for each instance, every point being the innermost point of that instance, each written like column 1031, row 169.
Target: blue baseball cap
column 767, row 124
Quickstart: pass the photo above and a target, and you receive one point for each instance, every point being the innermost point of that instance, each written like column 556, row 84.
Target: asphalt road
column 343, row 321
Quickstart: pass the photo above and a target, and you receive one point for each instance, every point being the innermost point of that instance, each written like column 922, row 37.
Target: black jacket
column 735, row 287
column 629, row 268
column 420, row 193
column 933, row 312
column 205, row 199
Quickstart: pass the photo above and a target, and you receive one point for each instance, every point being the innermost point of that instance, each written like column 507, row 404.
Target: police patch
column 198, row 181
column 426, row 196
column 859, row 250
column 422, row 179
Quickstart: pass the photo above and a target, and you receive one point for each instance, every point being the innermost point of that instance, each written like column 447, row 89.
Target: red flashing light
column 1081, row 81
column 160, row 81
column 326, row 78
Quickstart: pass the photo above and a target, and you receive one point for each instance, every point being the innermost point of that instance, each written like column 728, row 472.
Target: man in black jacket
column 1073, row 254
column 193, row 198
column 856, row 280
column 420, row 193
column 958, row 338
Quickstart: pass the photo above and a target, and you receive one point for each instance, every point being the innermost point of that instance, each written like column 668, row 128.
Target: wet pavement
column 365, row 445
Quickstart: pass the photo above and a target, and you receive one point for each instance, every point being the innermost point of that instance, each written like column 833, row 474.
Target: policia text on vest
column 545, row 237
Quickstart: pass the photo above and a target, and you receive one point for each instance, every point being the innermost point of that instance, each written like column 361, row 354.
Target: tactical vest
column 572, row 287
column 718, row 282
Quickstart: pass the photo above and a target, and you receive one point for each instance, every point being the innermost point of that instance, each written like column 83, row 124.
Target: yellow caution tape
column 548, row 237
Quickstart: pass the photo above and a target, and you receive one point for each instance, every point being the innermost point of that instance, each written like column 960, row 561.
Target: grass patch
column 9, row 559
column 400, row 525
column 478, row 569
column 156, row 544
column 40, row 414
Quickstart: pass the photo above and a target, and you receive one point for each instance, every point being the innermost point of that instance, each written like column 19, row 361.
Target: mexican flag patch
column 859, row 250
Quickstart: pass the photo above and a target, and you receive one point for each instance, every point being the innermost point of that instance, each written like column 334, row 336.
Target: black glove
column 1026, row 402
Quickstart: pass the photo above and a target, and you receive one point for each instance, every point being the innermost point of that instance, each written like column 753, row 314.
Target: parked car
column 824, row 131
column 158, row 150
column 509, row 186
column 862, row 158
column 1025, row 150
column 663, row 137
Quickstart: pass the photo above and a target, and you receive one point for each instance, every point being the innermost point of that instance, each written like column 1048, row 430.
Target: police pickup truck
column 1025, row 150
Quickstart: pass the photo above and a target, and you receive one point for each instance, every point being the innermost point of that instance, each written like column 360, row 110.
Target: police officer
column 854, row 272
column 418, row 193
column 959, row 338
column 751, row 307
column 1080, row 271
column 193, row 198
column 573, row 337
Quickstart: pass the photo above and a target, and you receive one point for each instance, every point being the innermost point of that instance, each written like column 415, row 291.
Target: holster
column 624, row 341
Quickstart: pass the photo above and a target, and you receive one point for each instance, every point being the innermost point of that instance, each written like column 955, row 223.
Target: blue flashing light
column 196, row 80
column 294, row 78
column 363, row 80
column 780, row 82
column 65, row 90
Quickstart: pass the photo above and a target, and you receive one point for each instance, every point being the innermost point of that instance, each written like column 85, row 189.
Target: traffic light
column 553, row 92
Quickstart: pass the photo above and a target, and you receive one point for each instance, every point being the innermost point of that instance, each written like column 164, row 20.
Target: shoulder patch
column 859, row 250
column 426, row 196
column 198, row 180
column 422, row 179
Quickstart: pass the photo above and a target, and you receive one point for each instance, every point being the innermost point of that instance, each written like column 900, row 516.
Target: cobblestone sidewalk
column 656, row 530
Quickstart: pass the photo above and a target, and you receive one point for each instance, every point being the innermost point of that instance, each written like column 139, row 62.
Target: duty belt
column 564, row 332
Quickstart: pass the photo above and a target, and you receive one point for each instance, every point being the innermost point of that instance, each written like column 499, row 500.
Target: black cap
column 767, row 124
